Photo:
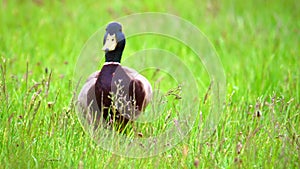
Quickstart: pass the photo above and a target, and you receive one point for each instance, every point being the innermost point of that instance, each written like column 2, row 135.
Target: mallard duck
column 119, row 93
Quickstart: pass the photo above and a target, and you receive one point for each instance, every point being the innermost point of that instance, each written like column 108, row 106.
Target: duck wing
column 87, row 99
column 141, row 85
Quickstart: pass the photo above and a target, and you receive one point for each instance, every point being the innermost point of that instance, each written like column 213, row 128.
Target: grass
column 257, row 42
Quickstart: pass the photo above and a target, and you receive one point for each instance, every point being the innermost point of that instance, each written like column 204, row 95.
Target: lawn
column 257, row 43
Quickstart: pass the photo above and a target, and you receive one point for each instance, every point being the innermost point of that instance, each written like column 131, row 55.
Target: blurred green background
column 258, row 45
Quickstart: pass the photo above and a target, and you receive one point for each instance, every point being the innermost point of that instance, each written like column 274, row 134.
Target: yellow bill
column 110, row 43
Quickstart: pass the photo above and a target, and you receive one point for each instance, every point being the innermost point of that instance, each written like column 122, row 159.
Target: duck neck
column 113, row 56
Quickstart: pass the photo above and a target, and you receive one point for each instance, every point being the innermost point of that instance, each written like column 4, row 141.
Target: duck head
column 113, row 42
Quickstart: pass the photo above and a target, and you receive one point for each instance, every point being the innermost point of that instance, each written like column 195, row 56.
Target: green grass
column 258, row 45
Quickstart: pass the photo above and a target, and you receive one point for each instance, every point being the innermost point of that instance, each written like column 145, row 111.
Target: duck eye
column 112, row 40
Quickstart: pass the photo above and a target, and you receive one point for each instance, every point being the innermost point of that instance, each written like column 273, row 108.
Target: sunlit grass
column 258, row 44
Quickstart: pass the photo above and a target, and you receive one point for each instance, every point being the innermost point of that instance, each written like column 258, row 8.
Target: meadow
column 257, row 43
